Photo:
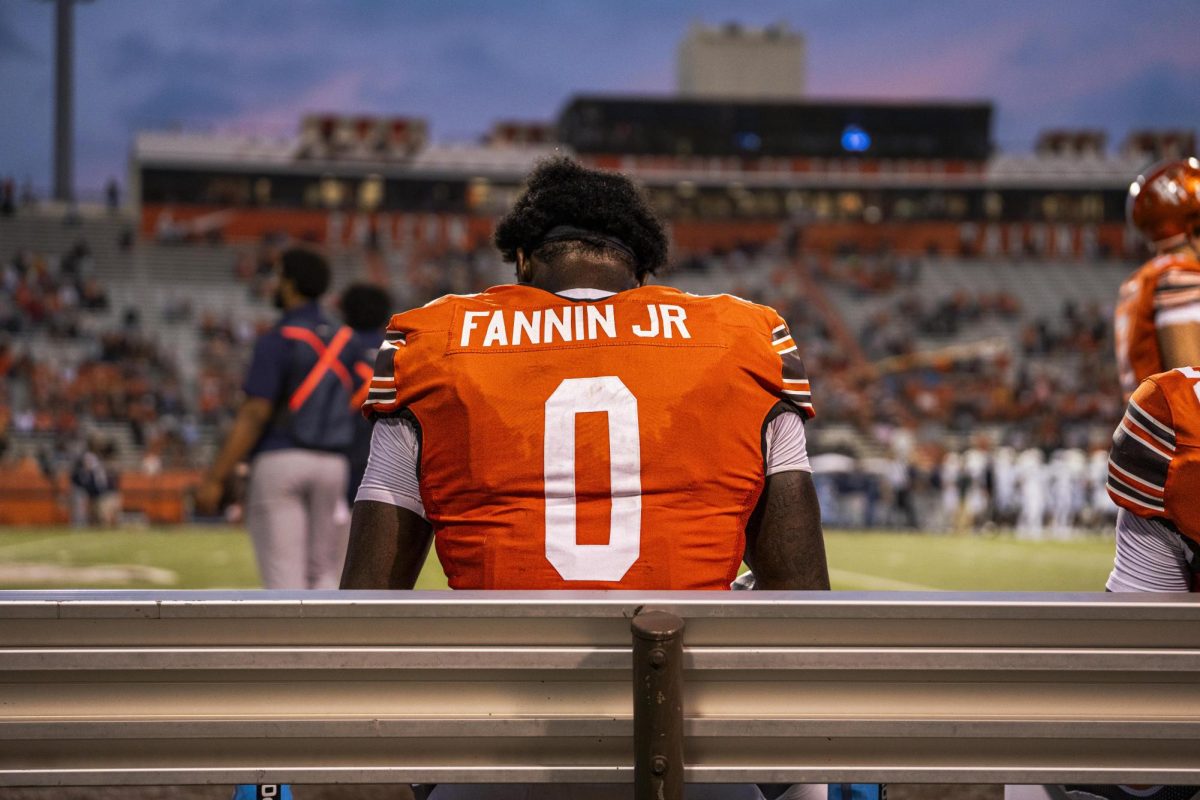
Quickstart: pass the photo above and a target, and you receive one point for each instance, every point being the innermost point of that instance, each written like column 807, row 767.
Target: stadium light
column 855, row 139
column 64, row 99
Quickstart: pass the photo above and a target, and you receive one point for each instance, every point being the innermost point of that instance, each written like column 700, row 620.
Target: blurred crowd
column 893, row 331
column 1049, row 394
column 1037, row 493
column 41, row 294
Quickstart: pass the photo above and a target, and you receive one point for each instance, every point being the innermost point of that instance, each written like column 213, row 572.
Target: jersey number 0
column 593, row 562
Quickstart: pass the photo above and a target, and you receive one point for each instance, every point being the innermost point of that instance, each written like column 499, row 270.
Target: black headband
column 563, row 233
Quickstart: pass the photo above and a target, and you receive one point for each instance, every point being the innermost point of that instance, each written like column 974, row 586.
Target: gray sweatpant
column 297, row 516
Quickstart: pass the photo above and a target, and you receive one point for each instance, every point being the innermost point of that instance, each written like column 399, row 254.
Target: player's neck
column 608, row 280
column 1187, row 249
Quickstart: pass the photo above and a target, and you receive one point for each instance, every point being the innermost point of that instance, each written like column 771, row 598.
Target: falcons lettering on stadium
column 581, row 323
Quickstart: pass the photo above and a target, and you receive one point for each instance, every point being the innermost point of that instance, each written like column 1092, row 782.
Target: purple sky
column 258, row 65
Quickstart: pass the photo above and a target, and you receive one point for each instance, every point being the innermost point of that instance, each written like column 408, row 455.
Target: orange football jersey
column 1154, row 467
column 605, row 444
column 1159, row 286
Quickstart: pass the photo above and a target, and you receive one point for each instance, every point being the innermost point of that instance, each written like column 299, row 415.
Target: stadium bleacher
column 201, row 303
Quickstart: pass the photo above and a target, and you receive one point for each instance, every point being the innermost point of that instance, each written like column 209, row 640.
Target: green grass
column 221, row 558
column 885, row 561
column 199, row 557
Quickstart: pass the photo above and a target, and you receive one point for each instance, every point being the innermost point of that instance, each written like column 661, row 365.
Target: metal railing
column 466, row 687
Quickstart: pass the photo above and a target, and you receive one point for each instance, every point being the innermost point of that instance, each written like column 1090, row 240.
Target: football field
column 221, row 558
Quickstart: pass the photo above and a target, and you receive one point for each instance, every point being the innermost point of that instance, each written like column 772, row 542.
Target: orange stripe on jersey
column 1149, row 433
column 1151, row 442
column 1134, row 482
column 1152, row 421
column 1124, row 497
column 1149, row 411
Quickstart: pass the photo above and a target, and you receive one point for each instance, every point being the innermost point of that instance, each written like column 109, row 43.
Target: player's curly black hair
column 561, row 192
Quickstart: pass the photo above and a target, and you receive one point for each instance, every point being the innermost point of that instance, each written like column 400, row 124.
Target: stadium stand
column 914, row 356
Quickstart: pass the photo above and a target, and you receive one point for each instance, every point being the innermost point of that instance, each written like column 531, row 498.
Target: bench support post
column 657, row 706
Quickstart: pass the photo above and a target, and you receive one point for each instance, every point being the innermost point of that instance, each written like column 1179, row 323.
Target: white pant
column 295, row 512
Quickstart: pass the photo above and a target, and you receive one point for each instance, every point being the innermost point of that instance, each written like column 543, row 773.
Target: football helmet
column 1164, row 202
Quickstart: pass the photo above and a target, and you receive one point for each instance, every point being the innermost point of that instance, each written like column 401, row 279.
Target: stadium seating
column 186, row 294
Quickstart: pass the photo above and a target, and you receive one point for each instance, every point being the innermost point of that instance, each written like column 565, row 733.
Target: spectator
column 94, row 482
column 108, row 501
column 295, row 424
column 8, row 200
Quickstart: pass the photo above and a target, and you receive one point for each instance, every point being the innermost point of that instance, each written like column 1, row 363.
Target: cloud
column 341, row 92
column 135, row 55
column 181, row 103
column 1158, row 95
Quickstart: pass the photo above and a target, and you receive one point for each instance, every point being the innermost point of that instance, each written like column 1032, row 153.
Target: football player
column 584, row 430
column 1154, row 478
column 1157, row 325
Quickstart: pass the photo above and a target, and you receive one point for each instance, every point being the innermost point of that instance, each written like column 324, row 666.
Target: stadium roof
column 243, row 152
column 239, row 152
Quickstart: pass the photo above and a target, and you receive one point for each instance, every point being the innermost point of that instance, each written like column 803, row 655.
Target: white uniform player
column 951, row 495
column 1031, row 475
column 1004, row 482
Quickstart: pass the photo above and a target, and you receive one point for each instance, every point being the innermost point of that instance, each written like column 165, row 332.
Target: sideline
column 874, row 583
column 119, row 574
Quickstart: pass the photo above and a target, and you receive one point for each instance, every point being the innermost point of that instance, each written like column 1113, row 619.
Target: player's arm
column 252, row 418
column 1177, row 317
column 389, row 536
column 785, row 546
column 264, row 383
column 388, row 546
column 1179, row 344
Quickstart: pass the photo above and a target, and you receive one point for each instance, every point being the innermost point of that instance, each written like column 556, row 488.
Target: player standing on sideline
column 295, row 425
column 581, row 430
column 1157, row 325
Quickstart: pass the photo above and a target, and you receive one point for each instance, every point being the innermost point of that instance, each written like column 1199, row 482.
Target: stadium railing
column 469, row 687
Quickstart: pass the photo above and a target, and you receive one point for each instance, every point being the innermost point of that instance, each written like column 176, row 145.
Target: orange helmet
column 1164, row 202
